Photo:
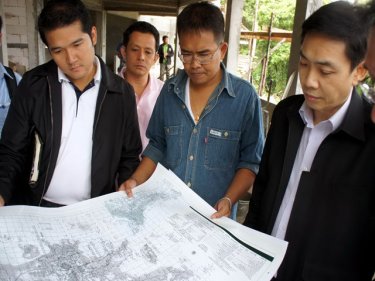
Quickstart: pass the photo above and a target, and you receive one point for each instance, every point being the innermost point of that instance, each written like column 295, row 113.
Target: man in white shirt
column 315, row 186
column 72, row 126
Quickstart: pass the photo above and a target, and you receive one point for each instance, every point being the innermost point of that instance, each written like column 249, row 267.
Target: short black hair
column 164, row 36
column 201, row 16
column 60, row 13
column 341, row 21
column 143, row 27
column 370, row 13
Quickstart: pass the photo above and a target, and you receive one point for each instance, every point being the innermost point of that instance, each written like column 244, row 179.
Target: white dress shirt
column 312, row 138
column 71, row 180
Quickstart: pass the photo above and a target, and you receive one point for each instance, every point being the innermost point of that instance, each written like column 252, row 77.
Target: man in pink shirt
column 141, row 42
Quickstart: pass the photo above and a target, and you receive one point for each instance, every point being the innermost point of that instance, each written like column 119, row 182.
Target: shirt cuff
column 153, row 153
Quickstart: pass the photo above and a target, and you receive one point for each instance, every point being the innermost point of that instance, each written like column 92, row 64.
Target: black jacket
column 37, row 108
column 169, row 54
column 331, row 230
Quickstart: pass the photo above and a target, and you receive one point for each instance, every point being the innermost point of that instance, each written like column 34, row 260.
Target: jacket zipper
column 99, row 112
column 52, row 129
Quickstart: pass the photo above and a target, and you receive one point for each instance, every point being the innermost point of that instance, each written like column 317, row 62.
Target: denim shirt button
column 191, row 157
column 183, row 106
column 195, row 131
column 189, row 184
column 226, row 134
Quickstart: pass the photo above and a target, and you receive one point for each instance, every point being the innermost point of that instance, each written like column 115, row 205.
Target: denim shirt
column 227, row 137
column 4, row 95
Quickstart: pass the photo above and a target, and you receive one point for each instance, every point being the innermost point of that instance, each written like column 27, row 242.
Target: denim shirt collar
column 181, row 78
column 4, row 72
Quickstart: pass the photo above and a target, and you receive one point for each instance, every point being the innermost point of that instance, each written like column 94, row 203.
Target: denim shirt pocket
column 221, row 148
column 173, row 139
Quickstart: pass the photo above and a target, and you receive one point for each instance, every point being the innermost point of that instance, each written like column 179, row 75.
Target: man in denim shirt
column 206, row 126
column 7, row 79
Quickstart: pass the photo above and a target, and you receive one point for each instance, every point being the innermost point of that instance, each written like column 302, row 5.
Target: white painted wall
column 16, row 31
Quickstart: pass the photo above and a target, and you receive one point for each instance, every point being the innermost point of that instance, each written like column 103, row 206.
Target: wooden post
column 266, row 59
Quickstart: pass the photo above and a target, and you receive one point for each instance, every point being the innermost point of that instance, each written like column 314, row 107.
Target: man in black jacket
column 315, row 186
column 77, row 118
column 370, row 55
column 166, row 53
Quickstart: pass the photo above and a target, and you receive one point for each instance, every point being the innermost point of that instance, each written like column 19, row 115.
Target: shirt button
column 189, row 184
column 226, row 134
column 195, row 131
column 183, row 106
column 191, row 157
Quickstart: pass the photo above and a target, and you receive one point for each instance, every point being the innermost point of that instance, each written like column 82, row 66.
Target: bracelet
column 230, row 202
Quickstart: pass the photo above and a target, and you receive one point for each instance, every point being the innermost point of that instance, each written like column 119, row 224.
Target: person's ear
column 123, row 52
column 94, row 36
column 360, row 73
column 223, row 50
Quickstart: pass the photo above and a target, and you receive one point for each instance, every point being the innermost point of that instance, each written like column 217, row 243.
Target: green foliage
column 283, row 13
column 244, row 49
column 278, row 63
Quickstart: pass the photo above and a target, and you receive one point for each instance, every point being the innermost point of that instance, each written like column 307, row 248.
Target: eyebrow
column 320, row 62
column 200, row 51
column 135, row 45
column 74, row 42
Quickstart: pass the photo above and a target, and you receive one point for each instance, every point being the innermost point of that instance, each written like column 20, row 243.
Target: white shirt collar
column 97, row 77
column 335, row 120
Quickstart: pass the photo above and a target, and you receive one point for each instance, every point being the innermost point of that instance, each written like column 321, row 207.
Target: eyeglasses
column 367, row 91
column 203, row 58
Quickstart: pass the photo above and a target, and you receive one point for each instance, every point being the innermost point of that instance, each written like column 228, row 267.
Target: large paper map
column 162, row 233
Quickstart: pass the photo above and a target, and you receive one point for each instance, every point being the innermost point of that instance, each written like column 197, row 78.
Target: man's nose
column 70, row 56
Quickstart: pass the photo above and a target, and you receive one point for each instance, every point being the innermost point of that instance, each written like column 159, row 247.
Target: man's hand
column 127, row 186
column 2, row 202
column 223, row 207
column 141, row 174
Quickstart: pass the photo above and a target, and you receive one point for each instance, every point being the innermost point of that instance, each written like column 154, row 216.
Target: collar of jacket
column 111, row 82
column 354, row 122
column 357, row 115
